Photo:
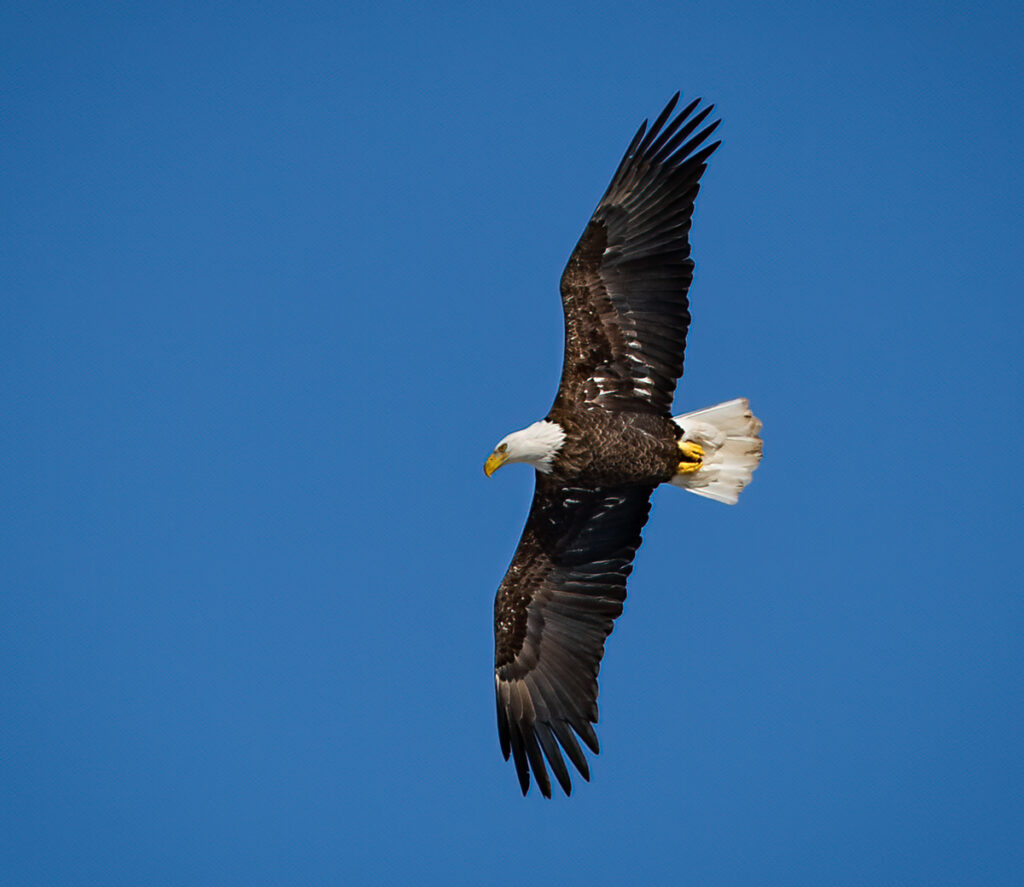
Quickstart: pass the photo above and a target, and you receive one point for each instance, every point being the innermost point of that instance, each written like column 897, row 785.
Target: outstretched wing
column 624, row 289
column 552, row 613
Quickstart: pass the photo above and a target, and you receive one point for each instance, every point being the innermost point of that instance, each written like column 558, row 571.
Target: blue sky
column 276, row 278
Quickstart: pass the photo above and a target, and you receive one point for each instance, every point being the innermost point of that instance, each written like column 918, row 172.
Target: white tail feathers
column 728, row 435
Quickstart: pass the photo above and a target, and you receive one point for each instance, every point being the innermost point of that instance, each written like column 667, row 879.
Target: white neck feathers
column 536, row 445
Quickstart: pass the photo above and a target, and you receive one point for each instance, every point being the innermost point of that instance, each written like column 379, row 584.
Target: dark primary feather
column 624, row 288
column 553, row 611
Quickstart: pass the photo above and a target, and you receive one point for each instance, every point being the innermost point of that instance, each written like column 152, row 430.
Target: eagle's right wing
column 552, row 613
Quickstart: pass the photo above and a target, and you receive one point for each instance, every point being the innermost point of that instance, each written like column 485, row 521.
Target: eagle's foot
column 693, row 457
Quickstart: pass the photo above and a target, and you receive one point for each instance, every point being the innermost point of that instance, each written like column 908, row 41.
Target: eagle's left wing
column 552, row 613
column 624, row 288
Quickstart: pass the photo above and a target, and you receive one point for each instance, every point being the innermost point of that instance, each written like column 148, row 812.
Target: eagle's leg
column 693, row 457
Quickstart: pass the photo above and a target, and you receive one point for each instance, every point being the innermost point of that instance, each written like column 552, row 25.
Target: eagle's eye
column 503, row 448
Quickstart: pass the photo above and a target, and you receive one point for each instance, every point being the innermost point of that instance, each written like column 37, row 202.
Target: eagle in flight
column 608, row 441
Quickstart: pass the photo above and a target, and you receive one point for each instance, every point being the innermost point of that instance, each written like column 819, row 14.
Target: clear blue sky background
column 275, row 279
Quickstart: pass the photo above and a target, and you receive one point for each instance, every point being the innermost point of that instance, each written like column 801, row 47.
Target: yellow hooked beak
column 494, row 462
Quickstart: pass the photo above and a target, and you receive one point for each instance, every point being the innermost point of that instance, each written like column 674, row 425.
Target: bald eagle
column 608, row 441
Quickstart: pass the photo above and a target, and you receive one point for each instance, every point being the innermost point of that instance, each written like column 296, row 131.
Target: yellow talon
column 693, row 457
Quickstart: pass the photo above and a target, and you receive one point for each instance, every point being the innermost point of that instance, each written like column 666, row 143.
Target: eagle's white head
column 536, row 445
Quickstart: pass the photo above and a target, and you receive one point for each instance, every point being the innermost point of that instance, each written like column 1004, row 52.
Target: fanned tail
column 728, row 434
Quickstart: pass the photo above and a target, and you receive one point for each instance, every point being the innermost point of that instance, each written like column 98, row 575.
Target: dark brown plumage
column 624, row 292
column 624, row 288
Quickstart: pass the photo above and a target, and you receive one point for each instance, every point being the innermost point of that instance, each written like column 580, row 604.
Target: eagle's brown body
column 615, row 448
